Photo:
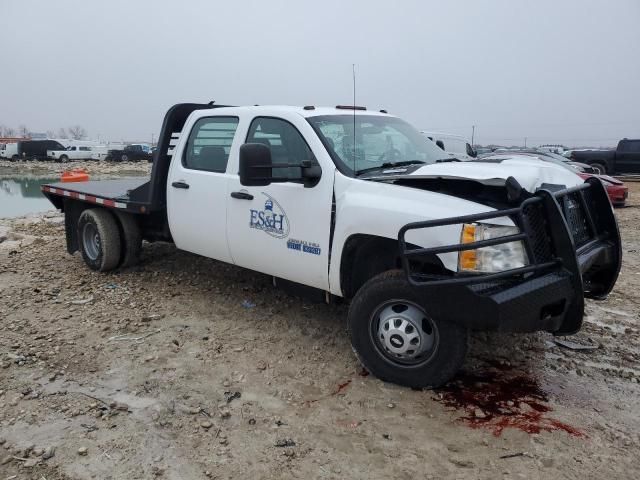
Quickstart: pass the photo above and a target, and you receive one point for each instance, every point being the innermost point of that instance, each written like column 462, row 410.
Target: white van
column 455, row 145
column 9, row 151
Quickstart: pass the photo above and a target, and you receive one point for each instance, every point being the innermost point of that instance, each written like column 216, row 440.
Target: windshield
column 380, row 141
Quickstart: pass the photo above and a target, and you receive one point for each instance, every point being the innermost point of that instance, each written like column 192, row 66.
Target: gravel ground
column 187, row 368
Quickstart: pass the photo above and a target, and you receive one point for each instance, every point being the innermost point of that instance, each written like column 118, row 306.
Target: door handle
column 180, row 184
column 242, row 195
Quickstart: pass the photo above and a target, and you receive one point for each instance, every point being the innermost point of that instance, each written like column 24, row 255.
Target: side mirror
column 440, row 144
column 255, row 165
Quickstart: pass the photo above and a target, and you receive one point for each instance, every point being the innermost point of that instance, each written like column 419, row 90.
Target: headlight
column 496, row 258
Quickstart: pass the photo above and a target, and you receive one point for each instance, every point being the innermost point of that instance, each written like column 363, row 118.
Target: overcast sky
column 555, row 71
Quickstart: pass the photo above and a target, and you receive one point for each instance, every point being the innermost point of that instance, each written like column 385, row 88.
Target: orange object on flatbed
column 75, row 175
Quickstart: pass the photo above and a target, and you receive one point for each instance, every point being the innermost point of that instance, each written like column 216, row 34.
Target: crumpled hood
column 529, row 172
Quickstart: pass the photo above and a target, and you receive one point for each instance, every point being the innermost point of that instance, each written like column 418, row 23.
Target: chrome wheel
column 404, row 333
column 91, row 241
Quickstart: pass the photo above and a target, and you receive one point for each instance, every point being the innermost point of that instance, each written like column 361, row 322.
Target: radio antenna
column 353, row 68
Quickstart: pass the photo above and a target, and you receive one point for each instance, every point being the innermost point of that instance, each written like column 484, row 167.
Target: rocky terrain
column 94, row 168
column 187, row 368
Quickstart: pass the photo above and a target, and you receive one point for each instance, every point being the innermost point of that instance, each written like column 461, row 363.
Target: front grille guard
column 547, row 248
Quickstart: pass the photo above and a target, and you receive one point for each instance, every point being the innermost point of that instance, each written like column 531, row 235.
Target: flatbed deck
column 110, row 193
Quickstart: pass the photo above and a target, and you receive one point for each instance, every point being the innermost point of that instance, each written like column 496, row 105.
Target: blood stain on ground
column 496, row 400
column 341, row 387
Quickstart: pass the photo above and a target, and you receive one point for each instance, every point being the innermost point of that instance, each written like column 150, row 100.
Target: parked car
column 129, row 153
column 559, row 149
column 547, row 156
column 624, row 159
column 73, row 152
column 360, row 205
column 617, row 190
column 456, row 146
column 32, row 149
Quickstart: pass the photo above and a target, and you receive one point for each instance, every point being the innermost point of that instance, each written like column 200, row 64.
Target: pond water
column 22, row 195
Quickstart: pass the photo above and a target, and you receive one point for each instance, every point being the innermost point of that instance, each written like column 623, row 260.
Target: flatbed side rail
column 107, row 202
column 569, row 224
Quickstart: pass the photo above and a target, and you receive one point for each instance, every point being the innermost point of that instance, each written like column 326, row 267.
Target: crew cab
column 360, row 205
column 73, row 152
column 130, row 153
column 624, row 159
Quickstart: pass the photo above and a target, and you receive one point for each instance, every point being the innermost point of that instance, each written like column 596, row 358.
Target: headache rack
column 571, row 228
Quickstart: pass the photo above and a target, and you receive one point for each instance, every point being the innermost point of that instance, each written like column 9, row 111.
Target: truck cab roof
column 304, row 111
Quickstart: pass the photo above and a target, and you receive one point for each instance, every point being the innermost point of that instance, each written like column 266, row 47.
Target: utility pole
column 525, row 142
column 152, row 139
column 473, row 133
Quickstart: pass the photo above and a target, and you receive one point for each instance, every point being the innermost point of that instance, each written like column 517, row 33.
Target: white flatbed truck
column 360, row 205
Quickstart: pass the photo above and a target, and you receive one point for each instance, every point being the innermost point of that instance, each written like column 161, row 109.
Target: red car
column 617, row 190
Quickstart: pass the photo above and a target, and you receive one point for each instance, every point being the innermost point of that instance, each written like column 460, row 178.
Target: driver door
column 282, row 229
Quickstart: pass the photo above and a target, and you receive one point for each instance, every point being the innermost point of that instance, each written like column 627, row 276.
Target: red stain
column 341, row 387
column 496, row 401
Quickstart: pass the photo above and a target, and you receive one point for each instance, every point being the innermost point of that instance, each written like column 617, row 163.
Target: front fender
column 381, row 209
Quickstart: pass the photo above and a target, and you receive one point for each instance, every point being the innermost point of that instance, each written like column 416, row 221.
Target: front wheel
column 599, row 168
column 64, row 159
column 397, row 340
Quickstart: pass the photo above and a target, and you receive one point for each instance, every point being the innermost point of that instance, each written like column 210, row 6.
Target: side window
column 285, row 142
column 209, row 144
column 633, row 146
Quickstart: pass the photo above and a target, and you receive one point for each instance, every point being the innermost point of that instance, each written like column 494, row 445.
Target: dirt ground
column 187, row 368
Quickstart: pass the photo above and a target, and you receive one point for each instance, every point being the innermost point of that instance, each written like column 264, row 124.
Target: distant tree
column 77, row 132
column 9, row 132
column 62, row 133
column 51, row 134
column 23, row 131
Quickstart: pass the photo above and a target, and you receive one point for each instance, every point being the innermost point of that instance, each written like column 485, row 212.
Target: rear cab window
column 209, row 144
column 629, row 146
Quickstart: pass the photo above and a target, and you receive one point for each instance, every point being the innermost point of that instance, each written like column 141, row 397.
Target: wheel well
column 365, row 256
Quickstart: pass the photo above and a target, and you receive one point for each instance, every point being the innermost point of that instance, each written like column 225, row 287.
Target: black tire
column 440, row 362
column 15, row 158
column 64, row 159
column 131, row 239
column 600, row 168
column 124, row 157
column 99, row 239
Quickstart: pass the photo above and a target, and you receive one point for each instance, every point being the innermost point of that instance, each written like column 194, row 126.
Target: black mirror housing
column 255, row 165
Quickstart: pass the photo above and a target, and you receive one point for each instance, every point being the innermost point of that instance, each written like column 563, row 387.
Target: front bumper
column 573, row 244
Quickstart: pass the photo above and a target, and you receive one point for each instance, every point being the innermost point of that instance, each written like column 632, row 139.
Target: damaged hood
column 529, row 172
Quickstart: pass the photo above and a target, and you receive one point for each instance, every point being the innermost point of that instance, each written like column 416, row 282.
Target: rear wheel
column 397, row 340
column 599, row 168
column 64, row 158
column 124, row 157
column 99, row 239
